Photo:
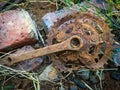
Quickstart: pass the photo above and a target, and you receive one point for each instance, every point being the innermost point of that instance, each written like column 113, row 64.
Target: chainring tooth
column 96, row 36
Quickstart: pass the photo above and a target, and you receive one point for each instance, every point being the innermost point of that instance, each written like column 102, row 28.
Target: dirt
column 37, row 11
column 109, row 83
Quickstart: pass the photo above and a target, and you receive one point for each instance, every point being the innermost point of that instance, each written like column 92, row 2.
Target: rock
column 16, row 29
column 50, row 74
column 50, row 18
column 73, row 88
column 84, row 73
column 116, row 57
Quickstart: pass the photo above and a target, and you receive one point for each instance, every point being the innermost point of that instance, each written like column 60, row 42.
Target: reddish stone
column 16, row 29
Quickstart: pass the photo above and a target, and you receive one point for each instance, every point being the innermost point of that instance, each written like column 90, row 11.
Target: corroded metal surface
column 73, row 43
column 95, row 34
column 27, row 65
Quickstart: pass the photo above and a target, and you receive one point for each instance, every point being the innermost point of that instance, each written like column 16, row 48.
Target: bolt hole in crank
column 75, row 42
column 9, row 59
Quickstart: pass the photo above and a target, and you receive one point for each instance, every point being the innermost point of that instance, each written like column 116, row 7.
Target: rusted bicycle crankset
column 78, row 39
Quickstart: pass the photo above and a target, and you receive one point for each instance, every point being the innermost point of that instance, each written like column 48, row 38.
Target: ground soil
column 37, row 11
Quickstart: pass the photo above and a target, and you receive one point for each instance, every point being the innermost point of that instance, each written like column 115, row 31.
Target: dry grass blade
column 30, row 76
column 87, row 85
column 5, row 54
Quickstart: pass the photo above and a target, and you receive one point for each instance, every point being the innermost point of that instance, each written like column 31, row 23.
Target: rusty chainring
column 96, row 36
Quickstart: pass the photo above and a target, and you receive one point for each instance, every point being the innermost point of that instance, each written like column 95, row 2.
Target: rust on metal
column 95, row 34
column 73, row 43
column 80, row 40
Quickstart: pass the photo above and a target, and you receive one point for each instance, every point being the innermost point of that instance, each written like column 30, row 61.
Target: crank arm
column 73, row 43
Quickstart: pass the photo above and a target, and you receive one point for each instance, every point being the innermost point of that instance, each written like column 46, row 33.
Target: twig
column 105, row 69
column 100, row 74
column 87, row 85
column 56, row 5
column 9, row 78
column 68, row 74
column 6, row 54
